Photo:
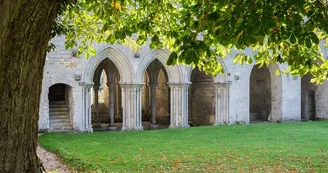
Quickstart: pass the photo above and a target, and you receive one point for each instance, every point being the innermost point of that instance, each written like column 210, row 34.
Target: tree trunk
column 25, row 28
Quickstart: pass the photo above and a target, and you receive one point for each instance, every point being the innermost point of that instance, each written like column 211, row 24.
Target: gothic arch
column 173, row 72
column 116, row 56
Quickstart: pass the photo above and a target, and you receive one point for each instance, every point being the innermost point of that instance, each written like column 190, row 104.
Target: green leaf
column 314, row 38
column 172, row 60
column 92, row 51
column 292, row 39
column 308, row 43
column 249, row 60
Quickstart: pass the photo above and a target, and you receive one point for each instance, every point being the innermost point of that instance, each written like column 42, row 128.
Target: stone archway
column 215, row 98
column 201, row 99
column 260, row 94
column 178, row 88
column 124, row 68
column 265, row 94
column 174, row 73
column 106, row 107
column 61, row 106
column 156, row 95
column 118, row 58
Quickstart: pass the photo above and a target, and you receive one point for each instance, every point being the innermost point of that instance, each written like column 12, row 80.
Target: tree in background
column 195, row 31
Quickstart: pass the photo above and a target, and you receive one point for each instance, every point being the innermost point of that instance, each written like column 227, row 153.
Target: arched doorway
column 60, row 107
column 260, row 94
column 156, row 97
column 307, row 98
column 106, row 103
column 265, row 94
column 201, row 99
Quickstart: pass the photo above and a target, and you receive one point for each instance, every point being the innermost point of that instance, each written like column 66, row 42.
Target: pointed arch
column 173, row 72
column 116, row 56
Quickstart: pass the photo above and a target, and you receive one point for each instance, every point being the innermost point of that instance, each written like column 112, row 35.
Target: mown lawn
column 286, row 147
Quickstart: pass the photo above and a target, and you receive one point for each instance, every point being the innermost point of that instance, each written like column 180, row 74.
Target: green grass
column 286, row 147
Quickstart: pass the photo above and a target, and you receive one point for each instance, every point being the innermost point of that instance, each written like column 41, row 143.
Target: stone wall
column 64, row 67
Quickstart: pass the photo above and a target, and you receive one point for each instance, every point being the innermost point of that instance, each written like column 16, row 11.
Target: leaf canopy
column 197, row 32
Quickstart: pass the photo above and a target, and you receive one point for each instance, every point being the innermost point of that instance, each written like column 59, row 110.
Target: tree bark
column 25, row 28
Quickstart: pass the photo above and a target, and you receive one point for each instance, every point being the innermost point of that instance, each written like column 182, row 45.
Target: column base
column 96, row 125
column 111, row 128
column 176, row 127
column 153, row 126
column 89, row 130
column 220, row 124
column 132, row 128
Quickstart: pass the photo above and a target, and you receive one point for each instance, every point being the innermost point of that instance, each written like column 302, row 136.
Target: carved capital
column 96, row 87
column 86, row 85
column 111, row 85
column 222, row 85
column 153, row 85
column 179, row 85
column 134, row 85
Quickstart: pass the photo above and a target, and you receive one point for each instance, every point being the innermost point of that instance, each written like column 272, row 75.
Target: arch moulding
column 173, row 72
column 116, row 56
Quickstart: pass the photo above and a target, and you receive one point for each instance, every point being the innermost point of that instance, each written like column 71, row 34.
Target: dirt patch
column 51, row 163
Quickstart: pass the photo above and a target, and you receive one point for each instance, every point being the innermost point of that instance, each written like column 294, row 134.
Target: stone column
column 97, row 123
column 118, row 100
column 131, row 103
column 179, row 105
column 86, row 107
column 222, row 103
column 111, row 89
column 153, row 87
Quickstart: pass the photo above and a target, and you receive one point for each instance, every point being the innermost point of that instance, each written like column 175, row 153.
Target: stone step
column 59, row 116
column 61, row 126
column 58, row 109
column 65, row 120
column 61, row 130
column 59, row 122
column 58, row 113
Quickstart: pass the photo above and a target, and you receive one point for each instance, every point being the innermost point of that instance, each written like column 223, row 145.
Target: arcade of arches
column 114, row 91
column 155, row 102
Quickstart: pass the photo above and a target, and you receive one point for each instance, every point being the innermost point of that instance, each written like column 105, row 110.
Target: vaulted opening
column 260, row 94
column 155, row 97
column 201, row 99
column 106, row 98
column 265, row 94
column 60, row 107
